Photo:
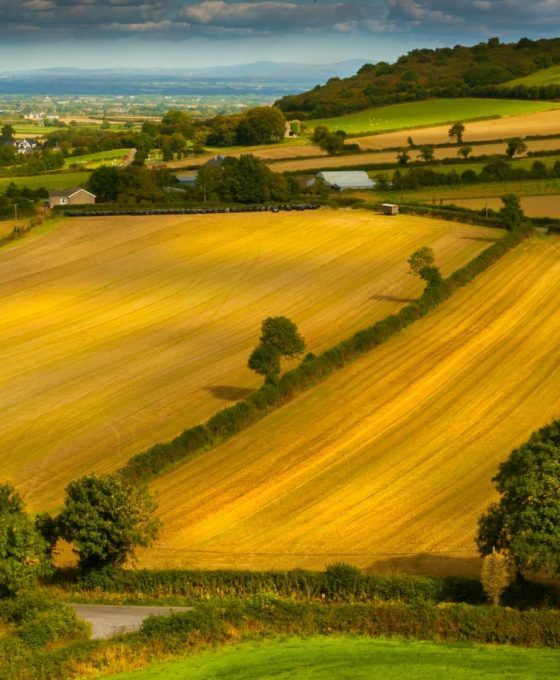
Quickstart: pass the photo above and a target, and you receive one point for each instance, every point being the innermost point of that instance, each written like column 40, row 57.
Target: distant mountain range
column 263, row 77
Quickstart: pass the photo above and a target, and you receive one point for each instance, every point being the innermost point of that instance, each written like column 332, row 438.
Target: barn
column 350, row 179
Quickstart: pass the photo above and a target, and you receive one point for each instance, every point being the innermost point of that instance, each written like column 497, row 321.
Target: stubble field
column 119, row 332
column 388, row 464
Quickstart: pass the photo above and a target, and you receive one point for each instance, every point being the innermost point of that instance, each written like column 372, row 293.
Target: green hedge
column 225, row 423
column 339, row 583
column 265, row 617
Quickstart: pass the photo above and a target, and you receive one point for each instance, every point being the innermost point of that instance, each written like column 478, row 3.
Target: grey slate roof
column 350, row 179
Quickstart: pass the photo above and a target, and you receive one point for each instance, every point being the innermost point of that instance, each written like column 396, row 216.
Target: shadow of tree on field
column 228, row 392
column 391, row 298
column 428, row 564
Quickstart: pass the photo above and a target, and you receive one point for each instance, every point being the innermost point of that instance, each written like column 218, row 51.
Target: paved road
column 109, row 620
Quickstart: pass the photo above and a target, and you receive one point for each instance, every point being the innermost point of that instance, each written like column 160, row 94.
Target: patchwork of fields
column 119, row 332
column 388, row 463
column 428, row 113
column 540, row 123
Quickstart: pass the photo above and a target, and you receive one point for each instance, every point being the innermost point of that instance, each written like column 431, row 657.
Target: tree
column 282, row 333
column 525, row 520
column 456, row 131
column 261, row 125
column 496, row 575
column 265, row 360
column 410, row 142
column 105, row 518
column 103, row 182
column 279, row 338
column 421, row 258
column 464, row 151
column 7, row 134
column 427, row 153
column 512, row 211
column 22, row 549
column 515, row 147
column 403, row 157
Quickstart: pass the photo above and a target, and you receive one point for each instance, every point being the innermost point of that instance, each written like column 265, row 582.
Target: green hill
column 480, row 70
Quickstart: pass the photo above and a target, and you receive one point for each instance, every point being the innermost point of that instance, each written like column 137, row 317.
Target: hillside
column 120, row 332
column 423, row 73
column 388, row 463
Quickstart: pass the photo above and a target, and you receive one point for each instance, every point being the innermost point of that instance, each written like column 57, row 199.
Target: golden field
column 387, row 464
column 333, row 162
column 541, row 123
column 119, row 332
column 534, row 206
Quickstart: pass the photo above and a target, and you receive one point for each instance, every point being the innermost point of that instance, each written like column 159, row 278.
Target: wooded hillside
column 424, row 73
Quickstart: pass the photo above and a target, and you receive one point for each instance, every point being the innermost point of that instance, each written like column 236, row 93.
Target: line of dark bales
column 194, row 211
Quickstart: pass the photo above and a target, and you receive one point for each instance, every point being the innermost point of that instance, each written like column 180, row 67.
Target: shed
column 74, row 196
column 390, row 209
column 351, row 179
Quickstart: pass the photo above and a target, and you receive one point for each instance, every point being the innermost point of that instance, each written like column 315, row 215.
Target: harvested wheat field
column 541, row 123
column 348, row 160
column 267, row 153
column 387, row 464
column 534, row 206
column 119, row 332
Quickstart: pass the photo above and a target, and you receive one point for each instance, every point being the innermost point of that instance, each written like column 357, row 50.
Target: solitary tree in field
column 410, row 142
column 464, row 151
column 279, row 338
column 456, row 131
column 427, row 153
column 515, row 147
column 512, row 211
column 403, row 157
column 422, row 264
column 524, row 522
column 105, row 518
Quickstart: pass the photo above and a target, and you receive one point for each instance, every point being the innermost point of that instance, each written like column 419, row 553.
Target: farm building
column 74, row 196
column 187, row 179
column 390, row 209
column 352, row 179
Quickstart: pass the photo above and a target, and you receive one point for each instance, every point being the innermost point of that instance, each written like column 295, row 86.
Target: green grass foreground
column 429, row 112
column 341, row 658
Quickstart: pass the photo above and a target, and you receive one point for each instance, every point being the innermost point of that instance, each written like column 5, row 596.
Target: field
column 388, row 464
column 354, row 658
column 99, row 158
column 57, row 180
column 539, row 123
column 453, row 194
column 133, row 328
column 546, row 76
column 302, row 164
column 534, row 206
column 428, row 113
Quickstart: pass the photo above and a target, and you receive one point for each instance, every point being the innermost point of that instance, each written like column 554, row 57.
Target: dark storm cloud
column 476, row 16
column 182, row 19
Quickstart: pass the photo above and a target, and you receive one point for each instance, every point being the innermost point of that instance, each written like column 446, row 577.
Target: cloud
column 450, row 20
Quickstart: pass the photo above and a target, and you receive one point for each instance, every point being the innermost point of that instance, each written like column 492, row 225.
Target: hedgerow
column 313, row 369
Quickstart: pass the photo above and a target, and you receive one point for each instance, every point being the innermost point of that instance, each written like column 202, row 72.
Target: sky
column 195, row 33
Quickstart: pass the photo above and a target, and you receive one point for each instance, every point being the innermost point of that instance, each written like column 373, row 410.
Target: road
column 109, row 620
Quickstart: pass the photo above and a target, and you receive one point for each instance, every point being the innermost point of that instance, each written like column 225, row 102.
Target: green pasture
column 349, row 658
column 31, row 129
column 97, row 158
column 54, row 181
column 546, row 76
column 427, row 113
column 525, row 162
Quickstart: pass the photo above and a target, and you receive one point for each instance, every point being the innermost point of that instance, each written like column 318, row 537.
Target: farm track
column 388, row 463
column 119, row 332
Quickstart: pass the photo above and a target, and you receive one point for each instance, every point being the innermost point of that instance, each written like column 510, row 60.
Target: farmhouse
column 25, row 145
column 74, row 196
column 354, row 179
